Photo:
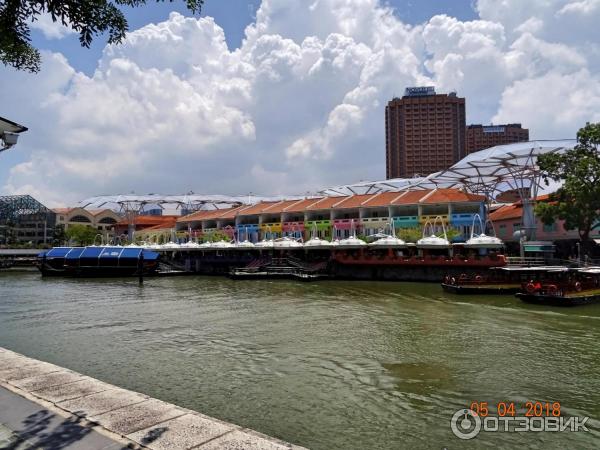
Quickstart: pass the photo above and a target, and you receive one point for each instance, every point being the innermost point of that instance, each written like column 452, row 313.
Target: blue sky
column 233, row 16
column 299, row 106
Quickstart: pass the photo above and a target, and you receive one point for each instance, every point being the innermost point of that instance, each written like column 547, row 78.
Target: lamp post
column 578, row 245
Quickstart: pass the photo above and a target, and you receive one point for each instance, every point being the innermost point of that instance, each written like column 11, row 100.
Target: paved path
column 76, row 408
column 26, row 425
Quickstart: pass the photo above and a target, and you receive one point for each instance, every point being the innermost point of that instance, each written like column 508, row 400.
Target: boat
column 497, row 280
column 573, row 287
column 94, row 261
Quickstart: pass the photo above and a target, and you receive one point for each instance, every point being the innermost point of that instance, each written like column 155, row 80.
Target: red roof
column 151, row 220
column 210, row 214
column 301, row 205
column 354, row 201
column 505, row 212
column 381, row 199
column 281, row 206
column 409, row 197
column 325, row 203
column 451, row 196
column 257, row 208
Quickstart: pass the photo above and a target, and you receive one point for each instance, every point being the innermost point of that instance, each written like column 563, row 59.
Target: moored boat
column 497, row 280
column 573, row 287
column 98, row 261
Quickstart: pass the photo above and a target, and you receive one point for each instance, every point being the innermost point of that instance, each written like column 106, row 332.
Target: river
column 327, row 365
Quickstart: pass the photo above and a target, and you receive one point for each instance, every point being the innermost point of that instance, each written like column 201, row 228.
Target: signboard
column 417, row 91
column 492, row 129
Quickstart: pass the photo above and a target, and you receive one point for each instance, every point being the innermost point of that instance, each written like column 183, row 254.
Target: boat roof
column 533, row 268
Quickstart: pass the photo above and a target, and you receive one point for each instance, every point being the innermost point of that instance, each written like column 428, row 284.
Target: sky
column 280, row 97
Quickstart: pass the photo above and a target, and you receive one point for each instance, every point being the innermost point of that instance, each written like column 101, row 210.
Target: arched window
column 109, row 220
column 80, row 219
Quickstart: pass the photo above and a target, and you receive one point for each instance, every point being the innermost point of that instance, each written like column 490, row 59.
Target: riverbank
column 126, row 418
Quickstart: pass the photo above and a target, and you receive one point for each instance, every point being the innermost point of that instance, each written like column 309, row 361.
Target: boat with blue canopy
column 98, row 261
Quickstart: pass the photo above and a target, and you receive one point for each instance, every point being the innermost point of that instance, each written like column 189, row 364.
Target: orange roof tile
column 280, row 206
column 258, row 208
column 354, row 201
column 301, row 205
column 409, row 197
column 381, row 199
column 210, row 214
column 162, row 226
column 198, row 215
column 151, row 220
column 451, row 196
column 230, row 213
column 513, row 211
column 325, row 203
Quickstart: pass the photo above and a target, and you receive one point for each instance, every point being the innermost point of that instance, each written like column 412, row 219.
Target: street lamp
column 9, row 133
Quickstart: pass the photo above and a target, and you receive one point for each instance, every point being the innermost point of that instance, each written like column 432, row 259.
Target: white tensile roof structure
column 498, row 169
column 490, row 172
column 189, row 201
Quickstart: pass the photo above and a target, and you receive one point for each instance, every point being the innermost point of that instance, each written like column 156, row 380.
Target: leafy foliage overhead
column 577, row 201
column 89, row 18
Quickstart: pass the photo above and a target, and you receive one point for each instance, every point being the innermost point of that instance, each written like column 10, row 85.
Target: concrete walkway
column 26, row 425
column 80, row 412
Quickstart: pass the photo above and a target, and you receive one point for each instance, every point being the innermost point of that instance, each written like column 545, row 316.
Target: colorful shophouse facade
column 341, row 216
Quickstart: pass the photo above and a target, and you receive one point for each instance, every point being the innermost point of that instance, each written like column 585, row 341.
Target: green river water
column 327, row 365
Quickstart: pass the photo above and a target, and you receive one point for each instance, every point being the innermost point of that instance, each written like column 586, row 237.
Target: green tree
column 89, row 18
column 59, row 235
column 81, row 234
column 577, row 201
column 410, row 234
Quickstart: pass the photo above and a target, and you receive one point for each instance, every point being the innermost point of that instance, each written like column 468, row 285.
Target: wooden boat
column 573, row 287
column 101, row 261
column 497, row 280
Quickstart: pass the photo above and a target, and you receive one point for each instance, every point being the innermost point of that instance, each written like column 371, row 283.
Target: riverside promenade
column 46, row 406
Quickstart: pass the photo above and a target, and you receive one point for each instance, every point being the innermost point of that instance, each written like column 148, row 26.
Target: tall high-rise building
column 486, row 136
column 424, row 132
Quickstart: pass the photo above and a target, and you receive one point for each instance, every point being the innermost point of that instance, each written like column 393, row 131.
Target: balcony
column 406, row 221
column 375, row 222
column 247, row 227
column 319, row 224
column 274, row 227
column 293, row 226
column 346, row 224
column 463, row 219
column 433, row 217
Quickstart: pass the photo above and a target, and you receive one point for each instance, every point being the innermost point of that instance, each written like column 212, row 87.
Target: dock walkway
column 106, row 415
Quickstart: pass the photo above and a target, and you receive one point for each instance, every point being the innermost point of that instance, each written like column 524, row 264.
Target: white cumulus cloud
column 49, row 28
column 300, row 105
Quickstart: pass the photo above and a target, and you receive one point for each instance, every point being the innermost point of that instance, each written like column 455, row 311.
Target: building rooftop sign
column 419, row 91
column 493, row 129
